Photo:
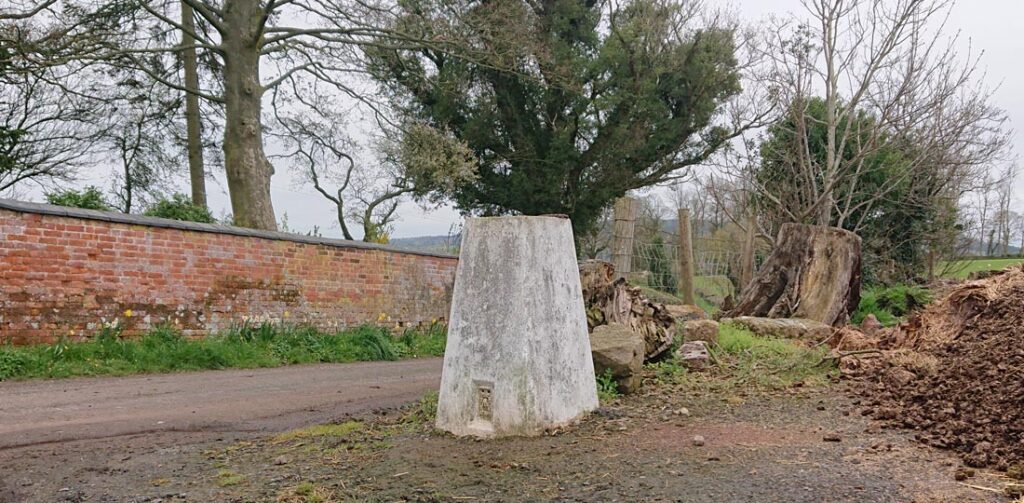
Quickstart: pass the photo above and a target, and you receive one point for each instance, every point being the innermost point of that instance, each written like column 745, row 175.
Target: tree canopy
column 895, row 203
column 572, row 105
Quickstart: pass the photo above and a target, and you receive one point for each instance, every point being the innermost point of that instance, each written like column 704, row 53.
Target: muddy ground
column 799, row 444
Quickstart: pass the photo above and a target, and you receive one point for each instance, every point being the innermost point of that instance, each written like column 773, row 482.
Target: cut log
column 788, row 328
column 813, row 272
column 608, row 300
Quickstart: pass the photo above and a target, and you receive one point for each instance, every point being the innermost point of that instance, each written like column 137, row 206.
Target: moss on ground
column 337, row 430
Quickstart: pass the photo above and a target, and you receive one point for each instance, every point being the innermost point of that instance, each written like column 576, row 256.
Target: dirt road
column 203, row 437
column 251, row 400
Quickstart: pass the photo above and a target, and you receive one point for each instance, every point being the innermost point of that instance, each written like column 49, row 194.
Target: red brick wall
column 68, row 275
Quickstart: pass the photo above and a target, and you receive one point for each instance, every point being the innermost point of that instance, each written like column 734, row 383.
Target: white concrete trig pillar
column 518, row 358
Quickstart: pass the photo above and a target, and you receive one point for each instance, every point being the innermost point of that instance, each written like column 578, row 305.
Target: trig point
column 518, row 355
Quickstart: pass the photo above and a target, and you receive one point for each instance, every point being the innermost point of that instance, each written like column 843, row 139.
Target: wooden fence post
column 685, row 257
column 747, row 258
column 622, row 236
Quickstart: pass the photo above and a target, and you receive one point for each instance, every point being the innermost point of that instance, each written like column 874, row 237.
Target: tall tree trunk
column 341, row 219
column 1020, row 249
column 1006, row 232
column 127, row 208
column 194, row 138
column 246, row 164
column 931, row 263
column 832, row 158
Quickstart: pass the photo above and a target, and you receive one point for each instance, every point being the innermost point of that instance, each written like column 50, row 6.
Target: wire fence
column 717, row 265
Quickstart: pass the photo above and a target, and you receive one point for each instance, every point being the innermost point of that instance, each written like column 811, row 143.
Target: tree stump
column 814, row 272
column 608, row 300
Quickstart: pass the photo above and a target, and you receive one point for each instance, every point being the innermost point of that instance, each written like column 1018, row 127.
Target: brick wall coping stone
column 113, row 216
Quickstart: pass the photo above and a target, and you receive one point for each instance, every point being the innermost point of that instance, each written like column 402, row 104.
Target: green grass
column 963, row 268
column 890, row 303
column 667, row 371
column 165, row 350
column 658, row 295
column 713, row 288
column 661, row 297
column 707, row 306
column 320, row 431
column 745, row 361
column 228, row 478
column 607, row 387
column 425, row 411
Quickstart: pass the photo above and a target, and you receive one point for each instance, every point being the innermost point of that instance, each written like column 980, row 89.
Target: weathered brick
column 62, row 275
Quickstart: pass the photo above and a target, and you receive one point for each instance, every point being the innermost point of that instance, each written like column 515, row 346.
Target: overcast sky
column 991, row 26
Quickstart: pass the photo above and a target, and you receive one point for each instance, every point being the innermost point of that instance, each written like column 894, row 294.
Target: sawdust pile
column 955, row 372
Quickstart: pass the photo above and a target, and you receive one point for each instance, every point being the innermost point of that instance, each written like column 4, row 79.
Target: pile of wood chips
column 955, row 373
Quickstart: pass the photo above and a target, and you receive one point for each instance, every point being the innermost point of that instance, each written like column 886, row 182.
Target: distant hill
column 433, row 244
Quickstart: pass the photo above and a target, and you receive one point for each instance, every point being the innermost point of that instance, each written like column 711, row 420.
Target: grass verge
column 166, row 350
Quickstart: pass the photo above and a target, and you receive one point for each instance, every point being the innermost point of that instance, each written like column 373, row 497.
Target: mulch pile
column 955, row 373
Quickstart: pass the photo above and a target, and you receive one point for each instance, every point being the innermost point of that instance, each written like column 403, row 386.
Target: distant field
column 710, row 291
column 964, row 268
column 713, row 288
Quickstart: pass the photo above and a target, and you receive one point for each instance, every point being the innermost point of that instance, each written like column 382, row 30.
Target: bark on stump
column 608, row 300
column 814, row 272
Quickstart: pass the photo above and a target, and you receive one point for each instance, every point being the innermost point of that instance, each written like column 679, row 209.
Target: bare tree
column 145, row 139
column 593, row 243
column 415, row 162
column 983, row 208
column 1018, row 229
column 257, row 49
column 1004, row 217
column 688, row 194
column 48, row 123
column 22, row 9
column 885, row 79
column 44, row 130
column 193, row 117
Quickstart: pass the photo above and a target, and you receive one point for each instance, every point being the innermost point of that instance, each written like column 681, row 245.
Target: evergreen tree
column 571, row 105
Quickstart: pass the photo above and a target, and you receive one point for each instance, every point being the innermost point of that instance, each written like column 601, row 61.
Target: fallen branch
column 825, row 340
column 981, row 488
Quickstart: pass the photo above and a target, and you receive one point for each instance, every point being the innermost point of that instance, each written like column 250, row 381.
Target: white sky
column 992, row 26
